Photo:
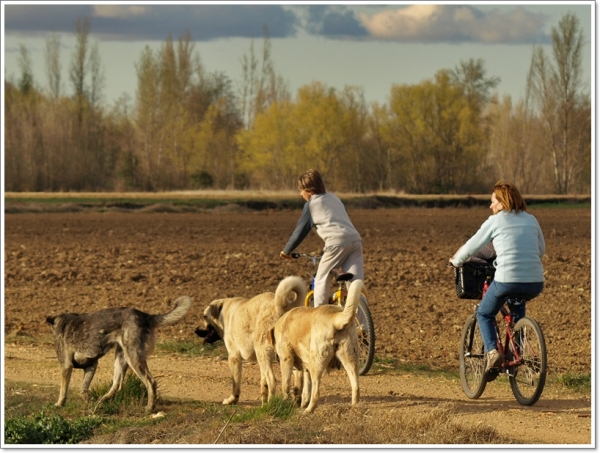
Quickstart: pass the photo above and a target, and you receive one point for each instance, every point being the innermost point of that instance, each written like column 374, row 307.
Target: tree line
column 187, row 128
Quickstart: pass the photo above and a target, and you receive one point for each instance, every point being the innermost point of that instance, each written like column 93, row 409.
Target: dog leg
column 315, row 373
column 140, row 367
column 350, row 364
column 306, row 388
column 235, row 365
column 267, row 378
column 298, row 384
column 118, row 376
column 87, row 380
column 286, row 364
column 64, row 385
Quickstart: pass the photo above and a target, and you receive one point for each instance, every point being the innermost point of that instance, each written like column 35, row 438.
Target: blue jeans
column 492, row 302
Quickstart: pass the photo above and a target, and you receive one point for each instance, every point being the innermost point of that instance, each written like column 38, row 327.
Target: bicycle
column 364, row 321
column 523, row 351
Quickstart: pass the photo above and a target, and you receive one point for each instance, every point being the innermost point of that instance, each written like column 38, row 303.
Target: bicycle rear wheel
column 528, row 378
column 472, row 359
column 366, row 336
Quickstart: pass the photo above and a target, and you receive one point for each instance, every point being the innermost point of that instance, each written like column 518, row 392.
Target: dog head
column 209, row 334
column 57, row 323
column 212, row 317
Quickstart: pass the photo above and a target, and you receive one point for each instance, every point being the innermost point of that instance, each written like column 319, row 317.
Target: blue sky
column 337, row 43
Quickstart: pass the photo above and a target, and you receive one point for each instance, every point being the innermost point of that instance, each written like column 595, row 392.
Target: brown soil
column 84, row 262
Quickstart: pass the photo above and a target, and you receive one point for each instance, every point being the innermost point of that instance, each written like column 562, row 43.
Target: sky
column 372, row 46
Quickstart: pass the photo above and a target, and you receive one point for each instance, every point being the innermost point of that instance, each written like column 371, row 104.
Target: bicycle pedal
column 492, row 374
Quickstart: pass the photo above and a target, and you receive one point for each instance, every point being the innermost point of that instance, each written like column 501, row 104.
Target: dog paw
column 231, row 400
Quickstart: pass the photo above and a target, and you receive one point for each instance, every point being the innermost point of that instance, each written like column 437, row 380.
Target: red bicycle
column 523, row 351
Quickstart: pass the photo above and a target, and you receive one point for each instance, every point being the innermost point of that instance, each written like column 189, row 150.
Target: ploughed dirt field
column 79, row 262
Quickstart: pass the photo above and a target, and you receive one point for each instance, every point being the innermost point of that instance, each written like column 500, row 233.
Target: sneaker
column 494, row 359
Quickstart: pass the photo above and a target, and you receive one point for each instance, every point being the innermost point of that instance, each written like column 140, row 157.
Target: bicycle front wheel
column 472, row 359
column 528, row 377
column 366, row 336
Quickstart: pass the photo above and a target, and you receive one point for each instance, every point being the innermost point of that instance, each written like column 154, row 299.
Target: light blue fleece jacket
column 327, row 213
column 519, row 245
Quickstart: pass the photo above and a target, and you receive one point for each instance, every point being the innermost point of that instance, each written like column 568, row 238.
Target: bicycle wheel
column 366, row 336
column 472, row 359
column 527, row 379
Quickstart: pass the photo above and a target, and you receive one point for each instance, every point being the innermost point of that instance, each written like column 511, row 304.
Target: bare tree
column 77, row 69
column 555, row 90
column 53, row 68
column 97, row 76
column 24, row 62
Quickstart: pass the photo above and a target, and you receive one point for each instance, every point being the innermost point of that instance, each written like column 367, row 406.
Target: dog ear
column 50, row 320
column 212, row 313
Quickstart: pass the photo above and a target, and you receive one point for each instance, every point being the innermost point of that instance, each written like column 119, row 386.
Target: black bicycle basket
column 470, row 278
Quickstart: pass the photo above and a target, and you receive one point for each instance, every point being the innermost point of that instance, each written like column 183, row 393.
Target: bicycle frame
column 338, row 297
column 508, row 340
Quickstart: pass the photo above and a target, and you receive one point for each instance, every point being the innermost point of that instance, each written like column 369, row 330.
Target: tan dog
column 313, row 340
column 243, row 325
column 82, row 339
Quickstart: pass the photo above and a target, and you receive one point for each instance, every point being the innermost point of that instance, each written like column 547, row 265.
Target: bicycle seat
column 341, row 276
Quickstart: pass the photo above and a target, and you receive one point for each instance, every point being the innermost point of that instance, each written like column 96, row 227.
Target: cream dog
column 243, row 325
column 314, row 340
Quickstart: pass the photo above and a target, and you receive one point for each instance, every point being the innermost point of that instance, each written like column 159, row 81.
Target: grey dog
column 82, row 339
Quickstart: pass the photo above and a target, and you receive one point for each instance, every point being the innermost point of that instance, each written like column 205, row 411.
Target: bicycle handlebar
column 297, row 255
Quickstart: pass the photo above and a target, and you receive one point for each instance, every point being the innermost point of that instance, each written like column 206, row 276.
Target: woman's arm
column 303, row 227
column 475, row 243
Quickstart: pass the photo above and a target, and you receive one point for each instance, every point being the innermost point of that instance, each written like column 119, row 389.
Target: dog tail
column 290, row 291
column 345, row 316
column 182, row 306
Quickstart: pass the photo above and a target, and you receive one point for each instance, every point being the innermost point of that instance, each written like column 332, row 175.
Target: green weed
column 278, row 407
column 48, row 429
column 132, row 396
column 579, row 382
column 192, row 348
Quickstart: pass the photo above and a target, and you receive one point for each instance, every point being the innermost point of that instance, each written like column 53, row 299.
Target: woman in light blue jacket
column 519, row 243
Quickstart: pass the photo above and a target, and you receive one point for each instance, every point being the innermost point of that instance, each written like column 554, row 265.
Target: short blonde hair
column 509, row 196
column 311, row 181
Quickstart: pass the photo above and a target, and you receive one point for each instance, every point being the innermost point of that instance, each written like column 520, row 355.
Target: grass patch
column 191, row 201
column 578, row 382
column 43, row 428
column 277, row 407
column 388, row 365
column 131, row 399
column 194, row 348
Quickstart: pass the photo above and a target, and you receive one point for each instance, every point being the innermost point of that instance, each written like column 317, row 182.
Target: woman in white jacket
column 343, row 245
column 519, row 243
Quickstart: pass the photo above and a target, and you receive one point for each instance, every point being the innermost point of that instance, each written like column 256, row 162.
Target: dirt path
column 559, row 417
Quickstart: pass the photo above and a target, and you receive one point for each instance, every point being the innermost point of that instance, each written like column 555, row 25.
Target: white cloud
column 455, row 23
column 119, row 11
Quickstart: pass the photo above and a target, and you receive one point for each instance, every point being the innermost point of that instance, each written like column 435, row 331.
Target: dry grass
column 335, row 424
